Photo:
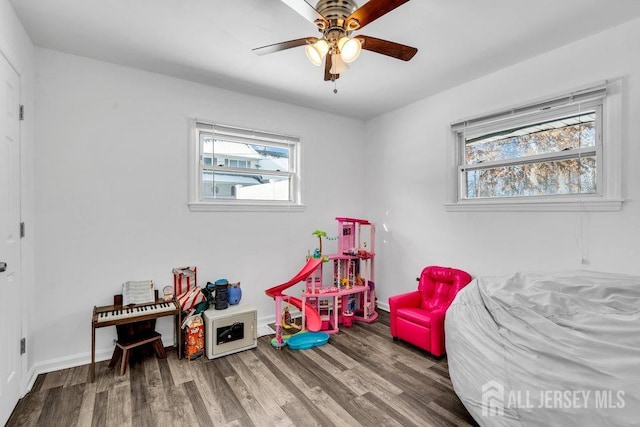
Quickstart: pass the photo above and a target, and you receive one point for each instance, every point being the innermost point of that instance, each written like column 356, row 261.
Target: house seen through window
column 236, row 165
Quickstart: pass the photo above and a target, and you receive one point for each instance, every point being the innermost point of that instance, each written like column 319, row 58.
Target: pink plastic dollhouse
column 350, row 293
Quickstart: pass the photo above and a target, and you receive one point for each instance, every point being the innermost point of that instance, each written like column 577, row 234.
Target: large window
column 544, row 153
column 240, row 168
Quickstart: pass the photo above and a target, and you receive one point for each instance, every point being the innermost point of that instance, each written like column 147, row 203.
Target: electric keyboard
column 130, row 313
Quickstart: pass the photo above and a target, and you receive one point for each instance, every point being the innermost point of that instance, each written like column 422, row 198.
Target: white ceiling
column 210, row 41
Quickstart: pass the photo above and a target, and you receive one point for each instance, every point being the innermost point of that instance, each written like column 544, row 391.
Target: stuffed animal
column 234, row 294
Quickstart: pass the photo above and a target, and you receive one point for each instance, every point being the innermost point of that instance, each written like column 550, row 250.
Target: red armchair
column 418, row 317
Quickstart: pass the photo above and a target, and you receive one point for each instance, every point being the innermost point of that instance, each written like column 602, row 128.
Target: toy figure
column 287, row 321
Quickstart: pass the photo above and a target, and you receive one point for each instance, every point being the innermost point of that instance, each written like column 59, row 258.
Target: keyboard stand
column 120, row 322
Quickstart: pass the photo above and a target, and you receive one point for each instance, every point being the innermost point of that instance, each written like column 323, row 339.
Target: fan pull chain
column 335, row 86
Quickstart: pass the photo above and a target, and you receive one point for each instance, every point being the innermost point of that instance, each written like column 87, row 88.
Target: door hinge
column 23, row 346
column 21, row 112
column 21, row 229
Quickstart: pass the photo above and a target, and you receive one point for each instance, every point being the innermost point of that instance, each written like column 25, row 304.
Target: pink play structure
column 350, row 295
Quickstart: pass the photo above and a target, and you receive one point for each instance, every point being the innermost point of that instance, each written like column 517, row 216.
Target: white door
column 10, row 292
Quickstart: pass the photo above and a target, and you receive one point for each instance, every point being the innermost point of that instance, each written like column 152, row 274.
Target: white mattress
column 548, row 348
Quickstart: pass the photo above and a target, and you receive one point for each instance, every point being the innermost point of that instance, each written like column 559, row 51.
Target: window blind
column 247, row 136
column 576, row 100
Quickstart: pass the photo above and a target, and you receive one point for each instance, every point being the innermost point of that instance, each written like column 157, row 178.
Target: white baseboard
column 60, row 363
column 84, row 358
column 28, row 381
column 266, row 320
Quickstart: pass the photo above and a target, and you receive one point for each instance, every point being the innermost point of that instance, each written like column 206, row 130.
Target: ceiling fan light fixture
column 336, row 46
column 349, row 49
column 317, row 51
column 338, row 66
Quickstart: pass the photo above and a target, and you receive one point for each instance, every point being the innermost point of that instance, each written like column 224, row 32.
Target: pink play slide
column 313, row 322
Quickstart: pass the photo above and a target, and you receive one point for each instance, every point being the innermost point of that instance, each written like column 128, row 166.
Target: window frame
column 605, row 96
column 197, row 203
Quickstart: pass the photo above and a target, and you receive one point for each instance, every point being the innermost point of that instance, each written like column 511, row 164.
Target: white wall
column 16, row 45
column 111, row 197
column 408, row 186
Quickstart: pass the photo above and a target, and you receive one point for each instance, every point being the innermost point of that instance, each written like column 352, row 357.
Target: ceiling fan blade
column 283, row 45
column 327, row 67
column 394, row 50
column 370, row 11
column 307, row 11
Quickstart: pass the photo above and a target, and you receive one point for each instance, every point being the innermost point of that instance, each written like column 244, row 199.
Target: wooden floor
column 361, row 377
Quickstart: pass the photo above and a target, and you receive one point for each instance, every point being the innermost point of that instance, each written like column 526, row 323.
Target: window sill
column 589, row 205
column 244, row 207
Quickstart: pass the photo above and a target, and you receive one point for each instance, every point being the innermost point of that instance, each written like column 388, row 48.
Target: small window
column 239, row 167
column 548, row 152
column 238, row 164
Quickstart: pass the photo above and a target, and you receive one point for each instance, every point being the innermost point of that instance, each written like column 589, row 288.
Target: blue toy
column 234, row 294
column 304, row 340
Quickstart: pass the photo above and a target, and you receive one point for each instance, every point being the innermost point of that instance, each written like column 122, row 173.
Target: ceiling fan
column 336, row 20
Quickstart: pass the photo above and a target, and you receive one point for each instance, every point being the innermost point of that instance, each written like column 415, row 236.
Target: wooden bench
column 124, row 347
